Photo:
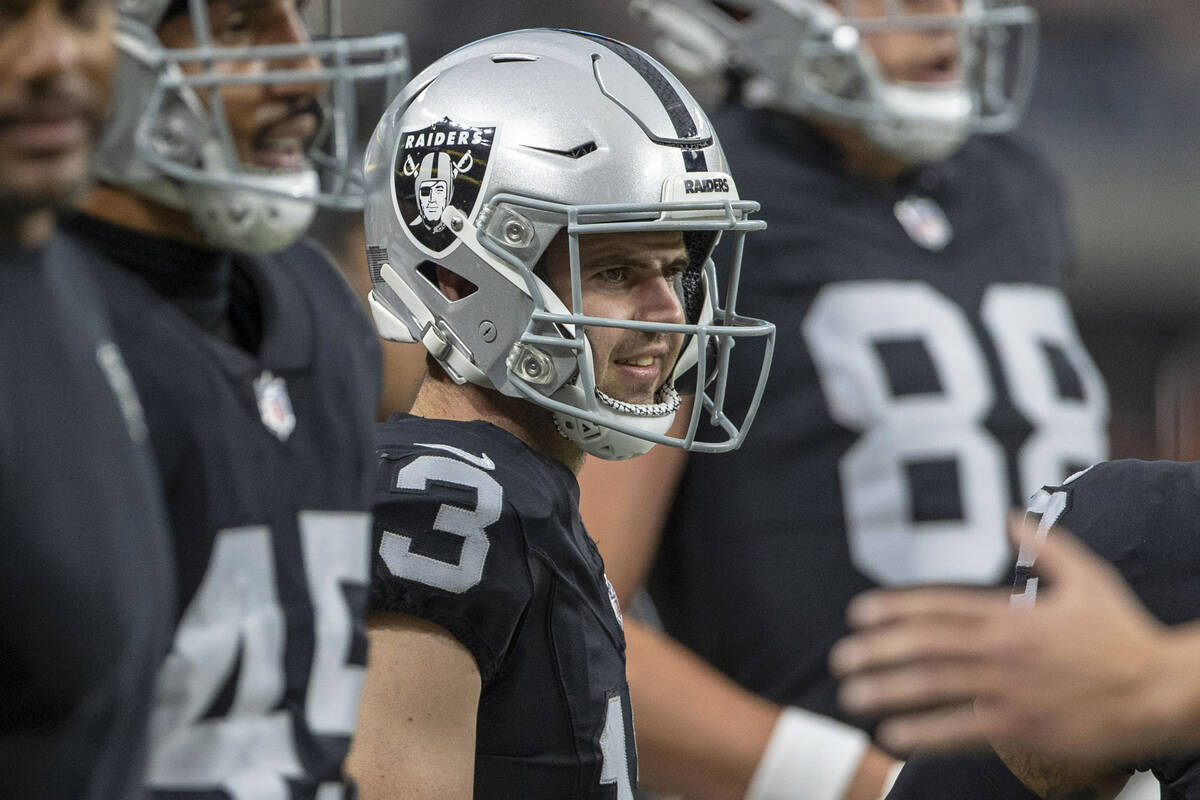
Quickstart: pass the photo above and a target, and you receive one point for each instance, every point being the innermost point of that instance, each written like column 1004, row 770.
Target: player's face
column 918, row 56
column 628, row 276
column 56, row 62
column 272, row 124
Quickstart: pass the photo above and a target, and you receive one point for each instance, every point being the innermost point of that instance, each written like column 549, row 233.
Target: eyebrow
column 248, row 6
column 624, row 260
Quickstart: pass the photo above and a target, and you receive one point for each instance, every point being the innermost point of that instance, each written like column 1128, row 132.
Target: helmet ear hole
column 178, row 133
column 452, row 285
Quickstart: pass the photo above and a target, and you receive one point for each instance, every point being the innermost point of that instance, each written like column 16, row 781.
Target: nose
column 294, row 32
column 660, row 302
column 51, row 46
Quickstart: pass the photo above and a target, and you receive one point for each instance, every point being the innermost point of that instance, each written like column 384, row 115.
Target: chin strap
column 668, row 405
column 597, row 439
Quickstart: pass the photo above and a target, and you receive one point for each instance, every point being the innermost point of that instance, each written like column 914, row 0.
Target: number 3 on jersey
column 470, row 524
column 903, row 431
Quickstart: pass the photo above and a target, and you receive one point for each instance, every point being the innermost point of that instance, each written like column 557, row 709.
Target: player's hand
column 1083, row 675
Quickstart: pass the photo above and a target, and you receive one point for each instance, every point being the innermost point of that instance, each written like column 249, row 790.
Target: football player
column 1073, row 691
column 933, row 377
column 86, row 585
column 543, row 206
column 259, row 372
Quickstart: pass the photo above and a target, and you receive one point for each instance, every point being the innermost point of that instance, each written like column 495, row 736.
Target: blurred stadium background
column 1116, row 109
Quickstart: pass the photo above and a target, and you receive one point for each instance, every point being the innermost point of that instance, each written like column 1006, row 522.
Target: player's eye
column 83, row 12
column 232, row 22
column 236, row 22
column 613, row 275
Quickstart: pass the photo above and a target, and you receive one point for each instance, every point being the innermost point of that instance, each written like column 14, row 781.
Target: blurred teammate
column 85, row 573
column 543, row 205
column 1074, row 691
column 259, row 374
column 930, row 377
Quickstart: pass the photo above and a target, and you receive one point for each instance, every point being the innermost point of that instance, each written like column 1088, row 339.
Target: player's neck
column 27, row 230
column 859, row 156
column 441, row 398
column 139, row 213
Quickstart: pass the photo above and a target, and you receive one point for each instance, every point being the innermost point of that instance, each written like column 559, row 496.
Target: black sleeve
column 1179, row 776
column 448, row 548
column 1140, row 517
column 958, row 778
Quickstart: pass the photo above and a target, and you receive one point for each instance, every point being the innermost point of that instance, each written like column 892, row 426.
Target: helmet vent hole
column 452, row 285
column 508, row 58
column 732, row 11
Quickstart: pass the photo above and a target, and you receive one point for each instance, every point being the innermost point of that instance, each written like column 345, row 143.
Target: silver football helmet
column 808, row 57
column 169, row 136
column 503, row 145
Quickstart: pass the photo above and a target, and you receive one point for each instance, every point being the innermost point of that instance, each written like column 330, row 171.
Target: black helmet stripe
column 694, row 159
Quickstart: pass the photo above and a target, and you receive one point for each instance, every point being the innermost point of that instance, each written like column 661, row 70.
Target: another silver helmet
column 809, row 57
column 496, row 149
column 169, row 137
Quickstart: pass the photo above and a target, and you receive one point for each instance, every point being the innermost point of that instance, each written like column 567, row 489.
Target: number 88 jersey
column 928, row 377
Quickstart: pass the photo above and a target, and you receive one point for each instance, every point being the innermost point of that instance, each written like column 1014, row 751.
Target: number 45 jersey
column 928, row 377
column 480, row 534
column 265, row 460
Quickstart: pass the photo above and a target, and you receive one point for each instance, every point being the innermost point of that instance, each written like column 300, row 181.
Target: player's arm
column 416, row 721
column 1086, row 675
column 699, row 733
column 702, row 735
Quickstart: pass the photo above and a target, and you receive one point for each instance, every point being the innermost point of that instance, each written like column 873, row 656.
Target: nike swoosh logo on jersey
column 481, row 460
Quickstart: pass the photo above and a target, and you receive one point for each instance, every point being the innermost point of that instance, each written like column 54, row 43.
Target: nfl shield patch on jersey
column 612, row 599
column 274, row 405
column 924, row 222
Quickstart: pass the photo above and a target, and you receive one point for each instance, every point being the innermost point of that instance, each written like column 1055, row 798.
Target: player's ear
column 453, row 285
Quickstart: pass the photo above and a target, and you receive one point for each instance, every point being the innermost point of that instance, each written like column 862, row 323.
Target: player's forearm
column 702, row 735
column 698, row 733
column 1172, row 698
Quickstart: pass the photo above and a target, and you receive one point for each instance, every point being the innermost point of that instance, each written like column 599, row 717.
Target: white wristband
column 807, row 755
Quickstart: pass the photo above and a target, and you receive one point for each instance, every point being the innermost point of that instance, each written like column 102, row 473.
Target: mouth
column 284, row 145
column 45, row 129
column 943, row 70
column 644, row 370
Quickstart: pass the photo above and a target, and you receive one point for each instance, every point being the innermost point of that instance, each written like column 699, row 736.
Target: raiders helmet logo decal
column 439, row 166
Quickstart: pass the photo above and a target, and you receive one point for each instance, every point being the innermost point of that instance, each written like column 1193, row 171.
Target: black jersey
column 264, row 451
column 86, row 585
column 973, row 777
column 480, row 534
column 927, row 377
column 1141, row 517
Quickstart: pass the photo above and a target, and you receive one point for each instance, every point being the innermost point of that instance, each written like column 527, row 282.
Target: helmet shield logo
column 442, row 165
